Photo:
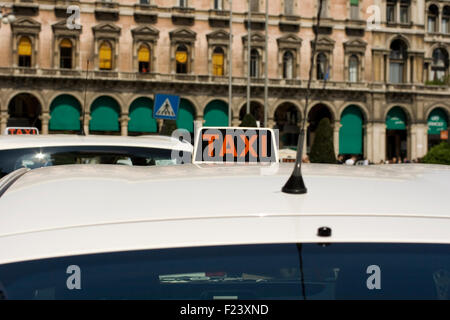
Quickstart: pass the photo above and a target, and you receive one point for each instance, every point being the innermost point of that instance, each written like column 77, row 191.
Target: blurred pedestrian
column 306, row 159
column 340, row 159
column 351, row 161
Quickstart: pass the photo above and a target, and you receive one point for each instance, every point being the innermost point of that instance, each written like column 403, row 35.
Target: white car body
column 57, row 140
column 83, row 209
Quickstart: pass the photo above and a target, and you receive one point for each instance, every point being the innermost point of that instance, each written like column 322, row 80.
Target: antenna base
column 295, row 185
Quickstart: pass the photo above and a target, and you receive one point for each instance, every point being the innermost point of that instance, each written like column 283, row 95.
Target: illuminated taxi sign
column 240, row 145
column 21, row 131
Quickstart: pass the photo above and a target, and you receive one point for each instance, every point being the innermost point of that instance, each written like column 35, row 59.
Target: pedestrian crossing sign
column 166, row 106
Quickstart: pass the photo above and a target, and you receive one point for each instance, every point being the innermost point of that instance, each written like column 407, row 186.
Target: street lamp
column 6, row 17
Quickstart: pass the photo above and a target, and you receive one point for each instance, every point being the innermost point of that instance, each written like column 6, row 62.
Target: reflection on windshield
column 269, row 271
column 32, row 158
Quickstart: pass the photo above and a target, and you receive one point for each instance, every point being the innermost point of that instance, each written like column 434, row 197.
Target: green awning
column 396, row 119
column 185, row 118
column 216, row 114
column 351, row 131
column 65, row 113
column 141, row 116
column 354, row 2
column 437, row 121
column 105, row 113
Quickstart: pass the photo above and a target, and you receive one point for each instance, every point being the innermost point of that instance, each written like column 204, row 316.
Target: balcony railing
column 106, row 4
column 210, row 79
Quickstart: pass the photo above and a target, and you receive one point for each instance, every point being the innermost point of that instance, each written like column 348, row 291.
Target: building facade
column 68, row 63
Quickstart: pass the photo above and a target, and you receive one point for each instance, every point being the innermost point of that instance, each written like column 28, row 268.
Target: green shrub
column 248, row 121
column 322, row 150
column 439, row 154
column 437, row 82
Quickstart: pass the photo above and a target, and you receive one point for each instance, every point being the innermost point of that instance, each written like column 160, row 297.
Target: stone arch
column 407, row 109
column 256, row 109
column 105, row 117
column 398, row 134
column 211, row 99
column 244, row 102
column 65, row 113
column 317, row 112
column 36, row 94
column 140, row 116
column 184, row 114
column 398, row 37
column 287, row 117
column 434, row 46
column 435, row 105
column 131, row 98
column 25, row 110
column 273, row 108
column 56, row 94
column 351, row 130
column 364, row 110
column 193, row 101
column 219, row 113
column 330, row 106
column 123, row 107
column 437, row 119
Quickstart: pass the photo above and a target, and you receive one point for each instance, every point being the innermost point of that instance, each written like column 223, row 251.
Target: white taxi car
column 35, row 151
column 213, row 231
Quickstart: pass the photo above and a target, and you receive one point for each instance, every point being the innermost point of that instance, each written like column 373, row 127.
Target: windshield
column 14, row 159
column 273, row 271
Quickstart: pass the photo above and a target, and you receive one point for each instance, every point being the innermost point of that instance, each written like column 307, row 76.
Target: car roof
column 56, row 140
column 80, row 209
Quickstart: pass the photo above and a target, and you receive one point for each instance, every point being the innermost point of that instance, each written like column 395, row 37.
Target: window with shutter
column 105, row 56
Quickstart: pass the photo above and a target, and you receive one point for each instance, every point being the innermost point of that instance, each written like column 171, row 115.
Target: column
column 419, row 140
column 368, row 142
column 160, row 123
column 124, row 124
column 3, row 121
column 85, row 123
column 199, row 117
column 378, row 65
column 336, row 127
column 408, row 70
column 198, row 123
column 386, row 68
column 270, row 123
column 439, row 21
column 45, row 118
column 419, row 69
column 235, row 122
column 378, row 138
column 397, row 12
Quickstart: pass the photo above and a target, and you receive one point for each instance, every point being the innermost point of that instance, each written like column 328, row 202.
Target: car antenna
column 295, row 184
column 82, row 132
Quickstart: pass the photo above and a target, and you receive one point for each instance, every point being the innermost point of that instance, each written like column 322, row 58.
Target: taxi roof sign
column 21, row 131
column 235, row 145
